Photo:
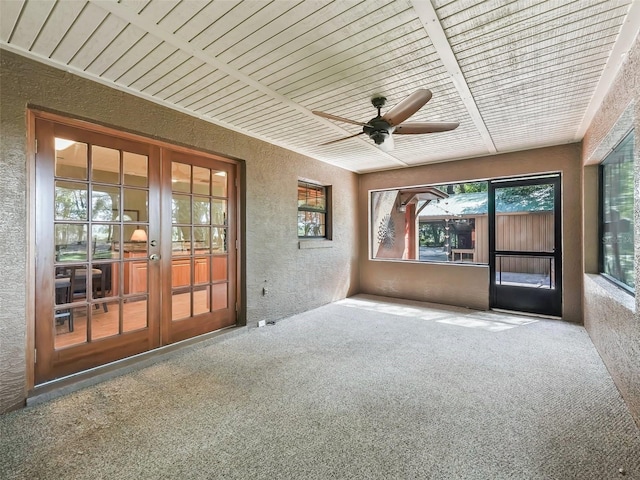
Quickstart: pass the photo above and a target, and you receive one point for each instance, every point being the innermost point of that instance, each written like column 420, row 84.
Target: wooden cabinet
column 136, row 278
column 181, row 271
column 135, row 273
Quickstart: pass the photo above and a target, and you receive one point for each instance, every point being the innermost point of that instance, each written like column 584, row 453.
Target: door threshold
column 526, row 314
column 61, row 386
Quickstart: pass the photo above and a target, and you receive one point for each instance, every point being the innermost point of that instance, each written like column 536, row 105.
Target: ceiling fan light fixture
column 379, row 136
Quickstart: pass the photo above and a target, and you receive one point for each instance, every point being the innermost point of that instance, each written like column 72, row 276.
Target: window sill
column 617, row 294
column 314, row 243
column 424, row 262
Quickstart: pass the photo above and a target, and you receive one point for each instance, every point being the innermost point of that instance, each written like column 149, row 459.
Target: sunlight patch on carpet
column 450, row 315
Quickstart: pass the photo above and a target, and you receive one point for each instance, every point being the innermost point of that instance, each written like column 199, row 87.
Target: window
column 313, row 210
column 616, row 215
column 431, row 223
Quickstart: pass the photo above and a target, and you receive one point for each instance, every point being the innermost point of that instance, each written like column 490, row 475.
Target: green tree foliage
column 469, row 187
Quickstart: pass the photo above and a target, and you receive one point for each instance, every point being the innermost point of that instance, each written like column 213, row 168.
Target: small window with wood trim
column 313, row 210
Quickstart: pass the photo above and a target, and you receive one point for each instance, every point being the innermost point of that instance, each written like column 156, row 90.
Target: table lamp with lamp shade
column 139, row 235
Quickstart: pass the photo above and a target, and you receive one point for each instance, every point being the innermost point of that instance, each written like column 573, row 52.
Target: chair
column 97, row 285
column 77, row 276
column 64, row 295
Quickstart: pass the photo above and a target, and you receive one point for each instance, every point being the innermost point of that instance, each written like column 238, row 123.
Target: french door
column 132, row 247
column 525, row 254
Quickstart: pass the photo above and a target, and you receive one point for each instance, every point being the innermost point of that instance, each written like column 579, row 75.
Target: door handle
column 154, row 256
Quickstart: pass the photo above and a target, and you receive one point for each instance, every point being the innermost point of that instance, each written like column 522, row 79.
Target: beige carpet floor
column 365, row 388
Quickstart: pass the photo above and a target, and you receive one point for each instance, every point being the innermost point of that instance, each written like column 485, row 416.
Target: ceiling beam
column 433, row 27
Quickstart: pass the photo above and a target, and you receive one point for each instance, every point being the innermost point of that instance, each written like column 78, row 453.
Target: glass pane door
column 202, row 283
column 525, row 244
column 136, row 247
column 101, row 223
column 93, row 224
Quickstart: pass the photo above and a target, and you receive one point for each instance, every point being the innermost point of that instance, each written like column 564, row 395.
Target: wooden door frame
column 33, row 113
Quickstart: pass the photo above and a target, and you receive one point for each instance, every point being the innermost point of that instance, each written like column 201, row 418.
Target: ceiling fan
column 381, row 128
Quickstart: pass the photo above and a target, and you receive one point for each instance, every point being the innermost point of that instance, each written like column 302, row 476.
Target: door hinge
column 236, row 243
column 35, row 355
column 36, row 145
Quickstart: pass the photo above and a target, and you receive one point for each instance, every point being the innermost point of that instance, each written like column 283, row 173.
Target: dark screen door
column 525, row 245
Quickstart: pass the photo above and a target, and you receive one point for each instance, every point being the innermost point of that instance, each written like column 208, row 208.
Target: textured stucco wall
column 297, row 279
column 612, row 316
column 468, row 285
column 13, row 252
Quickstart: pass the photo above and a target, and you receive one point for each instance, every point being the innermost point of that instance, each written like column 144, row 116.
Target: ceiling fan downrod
column 376, row 128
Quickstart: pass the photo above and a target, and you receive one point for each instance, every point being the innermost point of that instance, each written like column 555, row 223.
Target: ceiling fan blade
column 340, row 139
column 339, row 119
column 425, row 127
column 407, row 107
column 388, row 145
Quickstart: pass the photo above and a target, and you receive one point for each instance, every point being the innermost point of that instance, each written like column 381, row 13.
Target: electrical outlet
column 264, row 291
column 262, row 323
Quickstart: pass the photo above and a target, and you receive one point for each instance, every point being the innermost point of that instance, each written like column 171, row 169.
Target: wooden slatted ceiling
column 546, row 62
column 260, row 66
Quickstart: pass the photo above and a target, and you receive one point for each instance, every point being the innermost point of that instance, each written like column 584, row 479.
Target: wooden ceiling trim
column 434, row 29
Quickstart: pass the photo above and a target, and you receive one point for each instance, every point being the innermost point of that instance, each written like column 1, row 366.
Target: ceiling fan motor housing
column 378, row 130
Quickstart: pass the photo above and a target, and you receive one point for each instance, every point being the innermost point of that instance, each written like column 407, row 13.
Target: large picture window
column 313, row 210
column 434, row 223
column 616, row 215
